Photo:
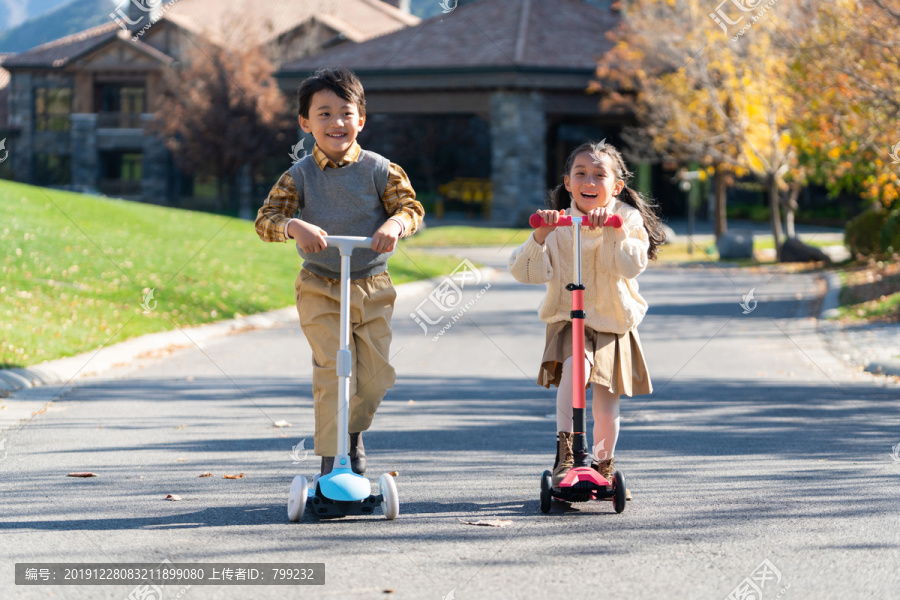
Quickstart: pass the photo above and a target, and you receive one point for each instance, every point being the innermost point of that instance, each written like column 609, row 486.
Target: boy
column 340, row 189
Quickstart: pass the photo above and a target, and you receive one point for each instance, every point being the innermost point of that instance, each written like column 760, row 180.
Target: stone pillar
column 85, row 160
column 518, row 156
column 21, row 118
column 154, row 166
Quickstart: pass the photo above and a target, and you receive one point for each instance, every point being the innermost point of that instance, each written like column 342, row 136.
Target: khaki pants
column 371, row 306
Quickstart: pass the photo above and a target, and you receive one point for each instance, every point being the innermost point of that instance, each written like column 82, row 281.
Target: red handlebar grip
column 614, row 221
column 536, row 221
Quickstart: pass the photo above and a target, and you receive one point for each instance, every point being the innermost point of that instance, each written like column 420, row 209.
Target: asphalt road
column 757, row 445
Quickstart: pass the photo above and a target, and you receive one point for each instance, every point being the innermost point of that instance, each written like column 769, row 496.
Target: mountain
column 55, row 19
column 15, row 12
column 25, row 24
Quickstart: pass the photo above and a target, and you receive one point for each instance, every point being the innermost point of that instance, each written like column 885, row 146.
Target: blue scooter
column 342, row 492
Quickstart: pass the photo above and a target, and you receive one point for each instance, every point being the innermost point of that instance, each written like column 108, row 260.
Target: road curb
column 832, row 296
column 95, row 362
column 830, row 311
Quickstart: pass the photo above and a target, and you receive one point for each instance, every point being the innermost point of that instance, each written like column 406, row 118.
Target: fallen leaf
column 411, row 402
column 395, row 473
column 488, row 522
column 238, row 476
column 173, row 497
column 205, row 475
column 81, row 475
column 182, row 426
column 282, row 423
column 181, row 459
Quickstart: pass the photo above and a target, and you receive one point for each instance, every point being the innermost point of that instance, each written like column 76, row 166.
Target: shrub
column 890, row 233
column 863, row 232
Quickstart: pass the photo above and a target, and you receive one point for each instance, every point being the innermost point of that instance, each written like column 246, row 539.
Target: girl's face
column 592, row 183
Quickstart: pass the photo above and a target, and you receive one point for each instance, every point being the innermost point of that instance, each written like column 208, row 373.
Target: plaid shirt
column 284, row 200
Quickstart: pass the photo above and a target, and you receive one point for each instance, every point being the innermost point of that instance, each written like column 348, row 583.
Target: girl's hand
column 550, row 217
column 598, row 216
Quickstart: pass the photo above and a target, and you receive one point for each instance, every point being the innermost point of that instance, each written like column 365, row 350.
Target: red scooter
column 581, row 483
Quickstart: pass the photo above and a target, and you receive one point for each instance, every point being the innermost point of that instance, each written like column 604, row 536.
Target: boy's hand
column 310, row 238
column 385, row 239
column 550, row 218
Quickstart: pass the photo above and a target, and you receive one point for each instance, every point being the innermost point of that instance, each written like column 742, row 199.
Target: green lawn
column 463, row 236
column 459, row 235
column 870, row 292
column 76, row 269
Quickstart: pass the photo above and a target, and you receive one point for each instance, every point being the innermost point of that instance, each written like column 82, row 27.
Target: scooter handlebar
column 536, row 221
column 347, row 243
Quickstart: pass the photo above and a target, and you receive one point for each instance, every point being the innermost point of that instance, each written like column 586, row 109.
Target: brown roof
column 357, row 19
column 59, row 52
column 563, row 34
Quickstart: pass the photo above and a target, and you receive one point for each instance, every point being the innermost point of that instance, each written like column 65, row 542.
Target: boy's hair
column 340, row 80
column 560, row 198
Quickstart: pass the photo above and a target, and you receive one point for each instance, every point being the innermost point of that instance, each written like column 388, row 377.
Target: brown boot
column 564, row 458
column 608, row 470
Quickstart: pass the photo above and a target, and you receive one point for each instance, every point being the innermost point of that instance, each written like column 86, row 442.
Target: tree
column 220, row 113
column 703, row 92
column 849, row 68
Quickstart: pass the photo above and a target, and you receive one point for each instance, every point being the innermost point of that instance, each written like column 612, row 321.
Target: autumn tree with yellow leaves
column 712, row 84
column 849, row 69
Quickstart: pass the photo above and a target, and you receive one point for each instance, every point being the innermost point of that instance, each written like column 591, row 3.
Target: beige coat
column 611, row 260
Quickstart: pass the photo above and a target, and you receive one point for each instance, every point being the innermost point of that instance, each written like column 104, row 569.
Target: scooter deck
column 582, row 484
column 322, row 507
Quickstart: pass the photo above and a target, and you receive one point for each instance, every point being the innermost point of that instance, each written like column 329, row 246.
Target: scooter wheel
column 546, row 496
column 297, row 498
column 619, row 491
column 390, row 503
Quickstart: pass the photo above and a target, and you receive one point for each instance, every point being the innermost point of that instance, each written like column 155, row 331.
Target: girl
column 595, row 185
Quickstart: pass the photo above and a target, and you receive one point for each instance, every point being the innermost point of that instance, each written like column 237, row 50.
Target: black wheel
column 619, row 491
column 546, row 497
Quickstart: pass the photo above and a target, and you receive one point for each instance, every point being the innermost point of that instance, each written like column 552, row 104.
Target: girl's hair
column 561, row 199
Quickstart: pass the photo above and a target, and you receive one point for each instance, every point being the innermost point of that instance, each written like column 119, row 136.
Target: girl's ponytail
column 655, row 232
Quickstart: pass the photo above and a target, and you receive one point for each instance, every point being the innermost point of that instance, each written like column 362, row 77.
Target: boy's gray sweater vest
column 343, row 201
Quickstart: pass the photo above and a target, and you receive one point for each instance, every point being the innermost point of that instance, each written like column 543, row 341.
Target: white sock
column 564, row 395
column 605, row 407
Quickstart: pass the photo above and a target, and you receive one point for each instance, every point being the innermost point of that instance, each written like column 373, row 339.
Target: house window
column 120, row 173
column 52, row 169
column 120, row 104
column 52, row 108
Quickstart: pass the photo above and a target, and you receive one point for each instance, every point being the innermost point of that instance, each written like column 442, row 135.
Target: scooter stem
column 345, row 245
column 579, row 421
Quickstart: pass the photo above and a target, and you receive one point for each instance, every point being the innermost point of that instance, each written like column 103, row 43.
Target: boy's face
column 333, row 122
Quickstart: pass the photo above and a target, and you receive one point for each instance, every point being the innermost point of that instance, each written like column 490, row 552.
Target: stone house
column 514, row 74
column 75, row 109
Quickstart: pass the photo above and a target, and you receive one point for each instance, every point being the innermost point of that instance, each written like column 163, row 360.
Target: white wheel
column 391, row 502
column 314, row 482
column 297, row 498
